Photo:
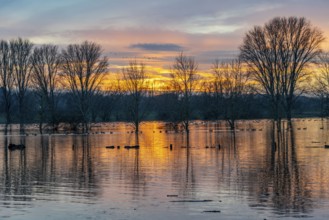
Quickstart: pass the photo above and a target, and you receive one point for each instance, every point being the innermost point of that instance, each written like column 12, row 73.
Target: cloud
column 154, row 29
column 157, row 47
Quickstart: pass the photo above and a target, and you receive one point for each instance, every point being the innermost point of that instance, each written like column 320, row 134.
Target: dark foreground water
column 76, row 177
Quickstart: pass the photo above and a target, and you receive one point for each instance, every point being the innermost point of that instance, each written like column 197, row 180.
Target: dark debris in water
column 315, row 146
column 212, row 211
column 172, row 195
column 206, row 200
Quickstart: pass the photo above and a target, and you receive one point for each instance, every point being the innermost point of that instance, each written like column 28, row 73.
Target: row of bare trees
column 229, row 81
column 274, row 60
column 78, row 68
column 276, row 57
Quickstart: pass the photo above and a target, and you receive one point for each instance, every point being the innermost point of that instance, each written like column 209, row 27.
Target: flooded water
column 68, row 176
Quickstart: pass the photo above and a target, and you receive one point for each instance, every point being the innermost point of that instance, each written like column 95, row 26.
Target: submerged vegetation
column 45, row 85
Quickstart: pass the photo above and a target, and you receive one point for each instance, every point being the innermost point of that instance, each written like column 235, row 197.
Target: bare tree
column 6, row 78
column 278, row 54
column 184, row 80
column 216, row 87
column 136, row 87
column 230, row 85
column 84, row 69
column 45, row 68
column 21, row 51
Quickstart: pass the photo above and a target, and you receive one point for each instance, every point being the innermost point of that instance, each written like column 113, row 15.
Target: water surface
column 66, row 176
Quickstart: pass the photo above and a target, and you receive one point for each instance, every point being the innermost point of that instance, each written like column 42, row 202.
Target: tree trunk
column 21, row 116
column 136, row 127
column 7, row 105
column 288, row 112
column 40, row 127
column 231, row 122
column 187, row 127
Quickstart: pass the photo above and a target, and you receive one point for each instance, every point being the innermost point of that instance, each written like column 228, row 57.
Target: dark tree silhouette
column 21, row 53
column 45, row 68
column 6, row 78
column 84, row 69
column 278, row 54
column 184, row 80
column 136, row 87
column 231, row 87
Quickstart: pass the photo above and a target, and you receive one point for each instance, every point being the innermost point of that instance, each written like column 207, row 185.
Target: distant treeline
column 163, row 107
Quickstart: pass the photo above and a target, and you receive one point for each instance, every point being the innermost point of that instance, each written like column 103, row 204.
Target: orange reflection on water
column 78, row 169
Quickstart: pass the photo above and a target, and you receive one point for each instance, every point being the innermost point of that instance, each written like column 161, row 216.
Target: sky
column 152, row 30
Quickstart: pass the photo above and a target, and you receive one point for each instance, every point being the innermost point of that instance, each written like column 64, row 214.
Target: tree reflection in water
column 38, row 170
column 78, row 170
column 16, row 177
column 283, row 182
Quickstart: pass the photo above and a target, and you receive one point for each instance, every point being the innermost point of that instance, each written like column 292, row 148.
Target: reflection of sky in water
column 63, row 176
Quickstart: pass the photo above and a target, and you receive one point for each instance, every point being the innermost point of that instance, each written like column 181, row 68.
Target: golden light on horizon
column 158, row 74
column 158, row 78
